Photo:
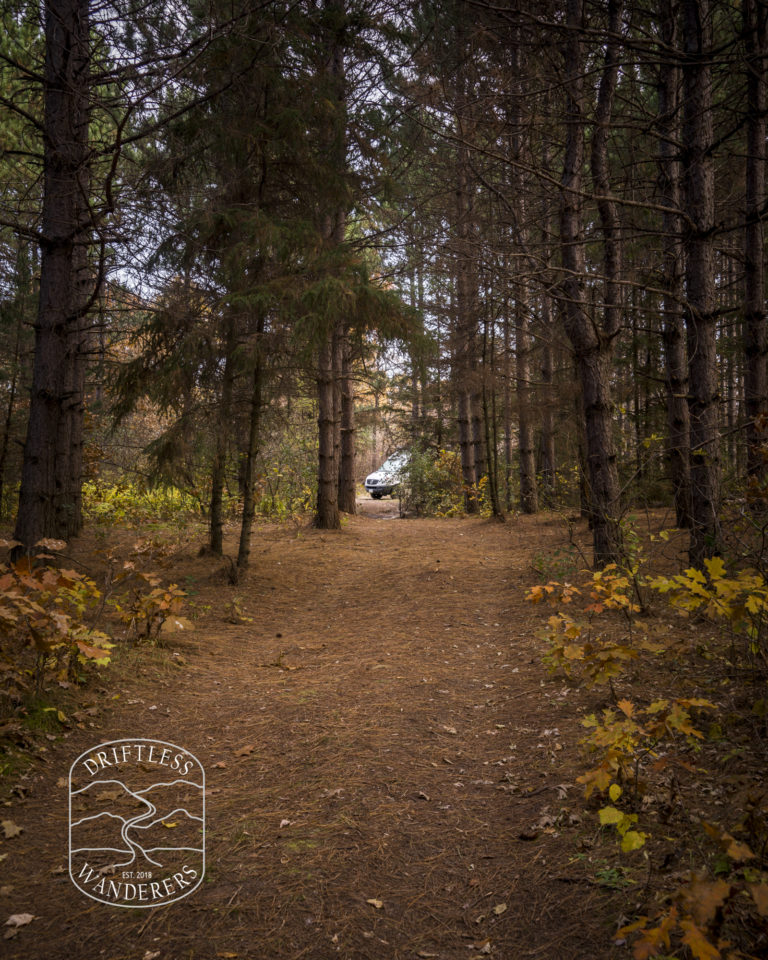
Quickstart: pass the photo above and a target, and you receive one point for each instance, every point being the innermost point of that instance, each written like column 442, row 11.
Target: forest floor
column 390, row 769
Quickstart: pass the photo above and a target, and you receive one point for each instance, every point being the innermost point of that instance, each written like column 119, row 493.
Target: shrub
column 432, row 485
column 44, row 610
column 127, row 502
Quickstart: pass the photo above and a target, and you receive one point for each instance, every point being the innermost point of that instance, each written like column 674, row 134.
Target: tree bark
column 700, row 313
column 327, row 516
column 347, row 486
column 65, row 176
column 548, row 466
column 592, row 346
column 20, row 306
column 507, row 409
column 480, row 454
column 673, row 328
column 464, row 324
column 526, row 450
column 525, row 435
column 251, row 452
column 216, row 519
column 548, row 461
column 489, row 420
column 68, row 517
column 465, row 316
column 327, row 513
column 755, row 336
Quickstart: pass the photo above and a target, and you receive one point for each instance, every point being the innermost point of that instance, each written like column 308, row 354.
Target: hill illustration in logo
column 114, row 826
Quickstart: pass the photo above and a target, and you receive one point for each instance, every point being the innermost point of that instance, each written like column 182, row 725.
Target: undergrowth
column 279, row 496
column 51, row 624
column 645, row 750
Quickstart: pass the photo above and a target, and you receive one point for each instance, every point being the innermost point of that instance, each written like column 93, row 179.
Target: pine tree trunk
column 673, row 328
column 489, row 422
column 327, row 516
column 755, row 335
column 466, row 415
column 507, row 411
column 465, row 302
column 466, row 450
column 251, row 452
column 548, row 461
column 641, row 470
column 218, row 468
column 347, row 486
column 547, row 416
column 592, row 347
column 9, row 410
column 526, row 448
column 338, row 350
column 700, row 316
column 327, row 513
column 480, row 454
column 54, row 381
column 12, row 391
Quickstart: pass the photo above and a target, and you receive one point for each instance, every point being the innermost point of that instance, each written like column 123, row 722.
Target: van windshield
column 396, row 461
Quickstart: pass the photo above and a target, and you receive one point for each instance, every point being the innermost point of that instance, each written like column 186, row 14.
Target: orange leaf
column 95, row 653
column 735, row 849
column 759, row 893
column 704, row 899
column 697, row 942
column 649, row 943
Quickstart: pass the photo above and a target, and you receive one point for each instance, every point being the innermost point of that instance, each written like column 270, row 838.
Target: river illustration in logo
column 137, row 823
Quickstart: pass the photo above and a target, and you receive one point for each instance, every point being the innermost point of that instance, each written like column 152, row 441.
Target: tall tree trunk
column 69, row 447
column 218, row 467
column 489, row 420
column 466, row 450
column 20, row 306
column 592, row 346
column 700, row 315
column 464, row 324
column 548, row 462
column 673, row 328
column 547, row 414
column 637, row 422
column 417, row 395
column 465, row 315
column 526, row 449
column 327, row 512
column 338, row 363
column 347, row 486
column 333, row 227
column 507, row 410
column 480, row 454
column 65, row 161
column 755, row 335
column 251, row 452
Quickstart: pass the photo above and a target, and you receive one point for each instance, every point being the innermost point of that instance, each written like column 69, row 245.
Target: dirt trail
column 381, row 729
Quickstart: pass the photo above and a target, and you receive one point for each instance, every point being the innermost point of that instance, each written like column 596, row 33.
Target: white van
column 385, row 480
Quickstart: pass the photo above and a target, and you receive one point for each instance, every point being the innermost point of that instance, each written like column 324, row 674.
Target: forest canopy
column 247, row 251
